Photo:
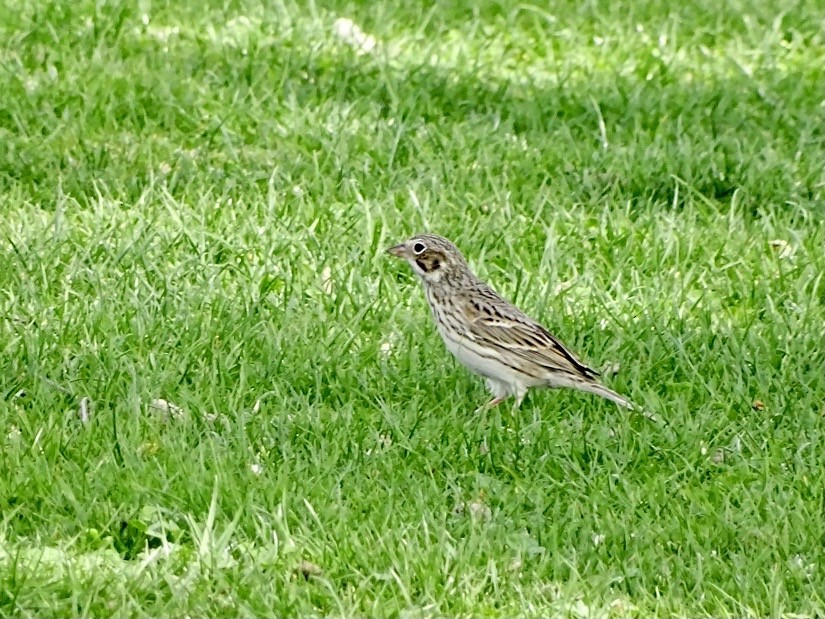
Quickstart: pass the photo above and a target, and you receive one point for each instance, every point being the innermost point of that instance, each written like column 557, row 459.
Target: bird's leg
column 515, row 410
column 521, row 391
column 494, row 402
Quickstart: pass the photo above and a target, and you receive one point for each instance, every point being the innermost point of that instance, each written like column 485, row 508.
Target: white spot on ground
column 167, row 409
column 350, row 33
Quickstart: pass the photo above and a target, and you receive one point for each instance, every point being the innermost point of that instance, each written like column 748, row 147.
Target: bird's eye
column 419, row 248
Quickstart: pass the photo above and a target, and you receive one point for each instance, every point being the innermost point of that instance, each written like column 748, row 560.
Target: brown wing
column 492, row 321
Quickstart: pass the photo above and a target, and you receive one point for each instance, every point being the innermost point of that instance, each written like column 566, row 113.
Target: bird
column 489, row 335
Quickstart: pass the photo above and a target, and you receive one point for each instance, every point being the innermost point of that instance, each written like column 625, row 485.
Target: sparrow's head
column 433, row 258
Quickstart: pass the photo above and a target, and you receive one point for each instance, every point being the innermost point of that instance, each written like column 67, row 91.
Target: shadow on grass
column 604, row 130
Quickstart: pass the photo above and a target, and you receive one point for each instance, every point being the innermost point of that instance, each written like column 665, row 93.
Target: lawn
column 219, row 397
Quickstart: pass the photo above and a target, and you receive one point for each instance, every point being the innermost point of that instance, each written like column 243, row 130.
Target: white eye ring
column 419, row 248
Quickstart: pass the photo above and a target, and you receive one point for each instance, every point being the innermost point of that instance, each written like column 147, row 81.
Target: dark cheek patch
column 428, row 263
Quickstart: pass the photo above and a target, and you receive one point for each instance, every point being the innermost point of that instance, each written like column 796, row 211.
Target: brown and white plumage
column 489, row 335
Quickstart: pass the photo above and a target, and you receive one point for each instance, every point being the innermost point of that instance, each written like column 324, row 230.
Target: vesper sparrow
column 489, row 335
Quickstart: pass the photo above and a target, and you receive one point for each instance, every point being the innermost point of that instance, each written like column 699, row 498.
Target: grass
column 195, row 199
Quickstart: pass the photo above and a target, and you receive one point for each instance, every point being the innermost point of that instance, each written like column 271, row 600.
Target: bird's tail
column 611, row 395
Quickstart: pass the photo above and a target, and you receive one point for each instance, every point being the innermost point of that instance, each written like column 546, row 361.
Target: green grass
column 195, row 200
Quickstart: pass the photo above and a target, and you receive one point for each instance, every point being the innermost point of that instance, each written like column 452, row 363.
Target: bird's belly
column 485, row 364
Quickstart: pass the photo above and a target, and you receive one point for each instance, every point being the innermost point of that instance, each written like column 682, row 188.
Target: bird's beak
column 397, row 251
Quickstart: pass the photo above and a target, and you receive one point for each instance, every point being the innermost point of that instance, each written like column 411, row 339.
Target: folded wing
column 518, row 334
